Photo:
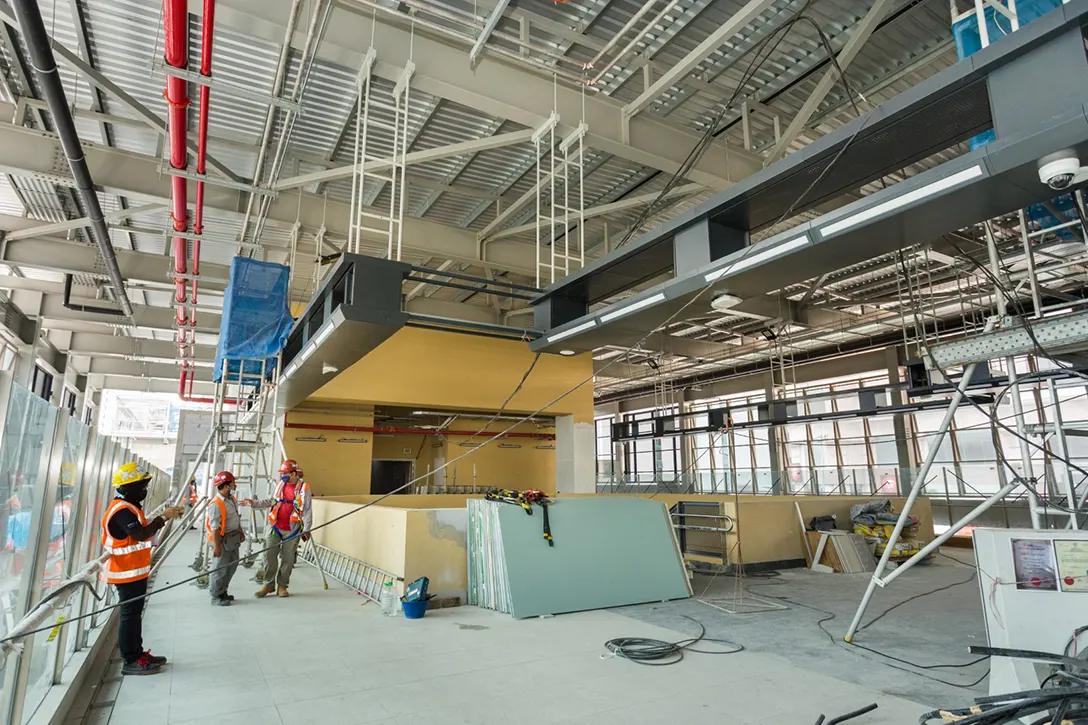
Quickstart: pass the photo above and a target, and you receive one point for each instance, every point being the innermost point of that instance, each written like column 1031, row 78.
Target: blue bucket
column 414, row 610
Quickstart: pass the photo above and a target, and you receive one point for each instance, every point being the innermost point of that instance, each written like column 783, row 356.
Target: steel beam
column 28, row 152
column 152, row 318
column 630, row 202
column 1056, row 334
column 98, row 345
column 496, row 87
column 410, row 159
column 60, row 227
column 146, row 385
column 485, row 33
column 132, row 368
column 862, row 31
column 74, row 258
column 673, row 75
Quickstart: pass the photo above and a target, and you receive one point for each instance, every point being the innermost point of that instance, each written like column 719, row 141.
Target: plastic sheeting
column 256, row 319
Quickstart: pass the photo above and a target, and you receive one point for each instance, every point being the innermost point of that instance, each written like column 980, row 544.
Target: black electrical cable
column 892, row 608
column 517, row 389
column 659, row 653
column 828, row 616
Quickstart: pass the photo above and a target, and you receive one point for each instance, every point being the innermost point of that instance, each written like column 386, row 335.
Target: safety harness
column 525, row 499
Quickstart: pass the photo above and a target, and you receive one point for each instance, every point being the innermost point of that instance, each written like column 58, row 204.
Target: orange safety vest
column 218, row 501
column 130, row 560
column 301, row 488
column 192, row 493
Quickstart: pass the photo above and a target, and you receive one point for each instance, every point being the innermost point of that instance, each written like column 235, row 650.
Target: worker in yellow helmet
column 127, row 535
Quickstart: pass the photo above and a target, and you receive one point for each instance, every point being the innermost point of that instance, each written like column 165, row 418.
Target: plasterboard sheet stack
column 487, row 582
column 608, row 552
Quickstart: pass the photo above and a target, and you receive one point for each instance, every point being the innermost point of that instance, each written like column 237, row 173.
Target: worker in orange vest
column 290, row 514
column 127, row 535
column 192, row 497
column 225, row 532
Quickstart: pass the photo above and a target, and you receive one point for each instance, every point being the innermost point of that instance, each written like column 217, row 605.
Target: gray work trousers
column 279, row 560
column 219, row 578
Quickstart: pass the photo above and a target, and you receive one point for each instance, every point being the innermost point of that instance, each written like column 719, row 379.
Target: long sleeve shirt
column 283, row 521
column 124, row 523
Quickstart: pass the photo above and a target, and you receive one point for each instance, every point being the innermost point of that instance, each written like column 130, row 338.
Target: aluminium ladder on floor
column 365, row 579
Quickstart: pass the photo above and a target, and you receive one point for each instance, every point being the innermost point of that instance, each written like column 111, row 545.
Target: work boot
column 153, row 659
column 264, row 591
column 229, row 597
column 282, row 592
column 220, row 602
column 142, row 666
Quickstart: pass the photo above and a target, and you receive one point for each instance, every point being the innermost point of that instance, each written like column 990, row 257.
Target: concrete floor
column 933, row 629
column 326, row 657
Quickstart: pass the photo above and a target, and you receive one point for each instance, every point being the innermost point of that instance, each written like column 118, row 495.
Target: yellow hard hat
column 67, row 474
column 130, row 473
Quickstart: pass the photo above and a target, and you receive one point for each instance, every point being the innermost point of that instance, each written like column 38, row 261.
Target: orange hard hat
column 223, row 478
column 289, row 466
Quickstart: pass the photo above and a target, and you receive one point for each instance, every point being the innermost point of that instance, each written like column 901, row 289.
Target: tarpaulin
column 256, row 319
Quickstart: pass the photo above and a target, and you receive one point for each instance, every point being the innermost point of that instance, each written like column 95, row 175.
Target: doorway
column 388, row 476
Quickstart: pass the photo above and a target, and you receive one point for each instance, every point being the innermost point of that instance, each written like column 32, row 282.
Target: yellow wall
column 374, row 535
column 448, row 370
column 332, row 468
column 435, row 548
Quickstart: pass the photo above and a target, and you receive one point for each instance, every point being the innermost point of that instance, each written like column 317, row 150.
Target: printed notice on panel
column 1035, row 567
column 1072, row 559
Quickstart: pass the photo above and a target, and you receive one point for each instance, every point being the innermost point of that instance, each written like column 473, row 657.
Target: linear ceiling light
column 289, row 371
column 324, row 332
column 753, row 259
column 902, row 200
column 641, row 304
column 572, row 331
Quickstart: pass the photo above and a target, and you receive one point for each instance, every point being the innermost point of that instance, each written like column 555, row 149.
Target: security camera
column 1062, row 172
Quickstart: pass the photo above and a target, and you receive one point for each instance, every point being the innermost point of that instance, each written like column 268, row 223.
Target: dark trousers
column 130, row 640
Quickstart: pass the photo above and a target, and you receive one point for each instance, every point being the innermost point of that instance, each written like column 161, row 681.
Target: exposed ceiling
column 485, row 76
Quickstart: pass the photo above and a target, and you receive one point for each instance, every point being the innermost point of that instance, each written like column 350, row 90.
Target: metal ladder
column 365, row 579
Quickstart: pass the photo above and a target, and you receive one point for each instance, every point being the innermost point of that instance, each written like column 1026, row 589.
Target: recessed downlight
column 568, row 353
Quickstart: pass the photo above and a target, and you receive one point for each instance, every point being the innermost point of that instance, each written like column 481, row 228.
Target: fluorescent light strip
column 324, row 332
column 900, row 201
column 754, row 259
column 572, row 331
column 652, row 300
column 289, row 371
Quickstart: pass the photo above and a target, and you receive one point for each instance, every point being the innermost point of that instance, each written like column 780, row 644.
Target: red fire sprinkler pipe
column 176, row 52
column 415, row 431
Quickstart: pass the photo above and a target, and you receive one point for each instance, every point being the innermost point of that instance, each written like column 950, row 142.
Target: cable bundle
column 656, row 652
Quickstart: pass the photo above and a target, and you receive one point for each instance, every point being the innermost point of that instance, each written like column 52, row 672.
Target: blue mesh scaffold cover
column 256, row 320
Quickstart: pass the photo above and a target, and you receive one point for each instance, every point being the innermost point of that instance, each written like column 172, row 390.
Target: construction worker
column 192, row 498
column 127, row 535
column 225, row 532
column 290, row 513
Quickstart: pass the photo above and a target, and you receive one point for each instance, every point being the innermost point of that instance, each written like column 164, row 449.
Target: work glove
column 305, row 537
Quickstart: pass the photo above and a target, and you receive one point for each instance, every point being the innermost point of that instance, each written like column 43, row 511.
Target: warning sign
column 1072, row 557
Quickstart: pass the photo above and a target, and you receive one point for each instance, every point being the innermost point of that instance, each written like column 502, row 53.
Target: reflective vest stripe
column 120, row 577
column 130, row 549
column 130, row 560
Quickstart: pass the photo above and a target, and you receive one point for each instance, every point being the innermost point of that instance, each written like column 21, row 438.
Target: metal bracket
column 162, row 69
column 168, row 170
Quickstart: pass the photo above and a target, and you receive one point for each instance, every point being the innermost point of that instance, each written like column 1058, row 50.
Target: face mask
column 135, row 494
column 285, row 478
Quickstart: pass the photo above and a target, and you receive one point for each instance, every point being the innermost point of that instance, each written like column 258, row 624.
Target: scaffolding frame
column 1028, row 480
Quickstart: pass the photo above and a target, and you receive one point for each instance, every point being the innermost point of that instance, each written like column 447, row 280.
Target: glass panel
column 28, row 438
column 63, row 547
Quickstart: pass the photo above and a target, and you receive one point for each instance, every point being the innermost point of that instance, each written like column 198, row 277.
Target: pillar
column 903, row 449
column 575, row 456
column 773, row 438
